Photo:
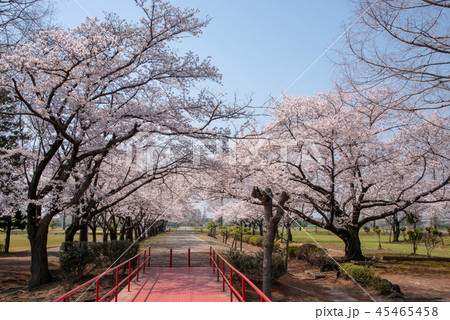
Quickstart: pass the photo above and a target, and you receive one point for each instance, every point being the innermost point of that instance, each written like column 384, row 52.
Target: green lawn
column 19, row 240
column 369, row 242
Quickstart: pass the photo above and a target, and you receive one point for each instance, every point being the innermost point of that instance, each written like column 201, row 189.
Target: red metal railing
column 218, row 263
column 114, row 292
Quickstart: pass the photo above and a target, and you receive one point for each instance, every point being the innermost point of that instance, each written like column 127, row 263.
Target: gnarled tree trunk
column 350, row 236
column 37, row 234
column 272, row 221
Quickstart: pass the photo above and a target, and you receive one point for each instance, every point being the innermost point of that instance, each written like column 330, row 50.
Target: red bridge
column 136, row 280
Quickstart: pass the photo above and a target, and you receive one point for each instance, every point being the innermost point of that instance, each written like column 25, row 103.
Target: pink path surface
column 178, row 284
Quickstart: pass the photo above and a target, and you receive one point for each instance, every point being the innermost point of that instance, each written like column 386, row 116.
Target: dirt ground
column 15, row 273
column 423, row 280
column 427, row 281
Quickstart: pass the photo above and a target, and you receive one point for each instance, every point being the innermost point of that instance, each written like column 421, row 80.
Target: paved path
column 178, row 284
column 179, row 241
column 160, row 283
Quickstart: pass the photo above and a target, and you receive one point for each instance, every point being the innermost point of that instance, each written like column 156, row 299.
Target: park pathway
column 179, row 283
column 179, row 241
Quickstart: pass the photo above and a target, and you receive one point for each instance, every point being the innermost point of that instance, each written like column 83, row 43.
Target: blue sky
column 260, row 47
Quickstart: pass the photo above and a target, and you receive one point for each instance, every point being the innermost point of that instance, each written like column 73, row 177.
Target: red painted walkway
column 181, row 284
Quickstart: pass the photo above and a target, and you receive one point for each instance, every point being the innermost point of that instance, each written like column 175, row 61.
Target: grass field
column 369, row 242
column 19, row 240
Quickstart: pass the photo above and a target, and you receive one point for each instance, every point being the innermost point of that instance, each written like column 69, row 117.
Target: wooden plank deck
column 178, row 284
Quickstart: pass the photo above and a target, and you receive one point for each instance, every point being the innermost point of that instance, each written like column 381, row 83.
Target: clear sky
column 260, row 47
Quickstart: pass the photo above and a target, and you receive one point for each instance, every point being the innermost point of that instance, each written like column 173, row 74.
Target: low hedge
column 246, row 238
column 304, row 251
column 310, row 253
column 360, row 274
column 318, row 257
column 76, row 259
column 381, row 285
column 257, row 241
column 367, row 278
column 293, row 251
column 252, row 264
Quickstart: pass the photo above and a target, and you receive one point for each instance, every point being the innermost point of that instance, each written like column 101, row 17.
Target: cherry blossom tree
column 124, row 173
column 353, row 162
column 84, row 92
column 20, row 18
column 236, row 211
column 343, row 162
column 404, row 44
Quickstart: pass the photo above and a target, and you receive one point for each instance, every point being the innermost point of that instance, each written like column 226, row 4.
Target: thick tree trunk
column 113, row 234
column 84, row 232
column 39, row 261
column 267, row 262
column 72, row 230
column 260, row 225
column 37, row 235
column 105, row 235
column 396, row 234
column 396, row 229
column 129, row 234
column 94, row 233
column 352, row 244
column 289, row 233
column 288, row 240
column 8, row 234
column 272, row 220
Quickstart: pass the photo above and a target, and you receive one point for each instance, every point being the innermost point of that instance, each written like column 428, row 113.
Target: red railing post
column 210, row 256
column 149, row 256
column 217, row 268
column 214, row 259
column 65, row 299
column 143, row 265
column 223, row 275
column 138, row 265
column 243, row 290
column 97, row 289
column 171, row 257
column 117, row 283
column 129, row 274
column 231, row 284
column 189, row 257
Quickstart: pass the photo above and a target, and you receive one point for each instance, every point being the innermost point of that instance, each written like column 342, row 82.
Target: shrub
column 259, row 241
column 118, row 251
column 211, row 226
column 304, row 250
column 293, row 251
column 431, row 238
column 414, row 237
column 246, row 238
column 252, row 264
column 76, row 257
column 317, row 257
column 360, row 274
column 381, row 285
column 276, row 246
column 253, row 240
